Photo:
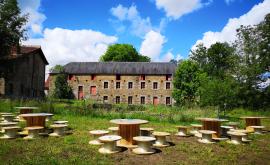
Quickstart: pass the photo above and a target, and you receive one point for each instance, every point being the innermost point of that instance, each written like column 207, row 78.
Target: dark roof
column 26, row 50
column 124, row 68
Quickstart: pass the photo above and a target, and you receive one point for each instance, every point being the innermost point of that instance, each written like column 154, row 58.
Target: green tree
column 11, row 25
column 199, row 55
column 62, row 90
column 123, row 52
column 186, row 82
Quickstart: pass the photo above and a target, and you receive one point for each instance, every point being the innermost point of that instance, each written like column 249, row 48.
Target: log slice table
column 35, row 119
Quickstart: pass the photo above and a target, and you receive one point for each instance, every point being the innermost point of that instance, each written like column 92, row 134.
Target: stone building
column 22, row 73
column 120, row 82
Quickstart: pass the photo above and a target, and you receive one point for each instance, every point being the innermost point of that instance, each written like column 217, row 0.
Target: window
column 142, row 77
column 93, row 77
column 93, row 90
column 168, row 101
column 155, row 101
column 106, row 85
column 70, row 77
column 155, row 85
column 168, row 77
column 142, row 100
column 130, row 85
column 117, row 85
column 117, row 100
column 129, row 99
column 105, row 99
column 80, row 92
column 118, row 77
column 142, row 85
column 168, row 85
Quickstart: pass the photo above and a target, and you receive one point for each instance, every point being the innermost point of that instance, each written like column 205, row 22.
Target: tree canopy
column 11, row 25
column 124, row 53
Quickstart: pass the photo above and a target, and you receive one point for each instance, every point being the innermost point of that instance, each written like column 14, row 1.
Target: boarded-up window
column 93, row 90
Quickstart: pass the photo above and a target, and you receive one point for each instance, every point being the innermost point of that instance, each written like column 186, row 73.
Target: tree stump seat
column 97, row 134
column 58, row 130
column 161, row 139
column 206, row 136
column 109, row 144
column 236, row 137
column 33, row 132
column 10, row 132
column 182, row 131
column 246, row 132
column 145, row 144
column 146, row 131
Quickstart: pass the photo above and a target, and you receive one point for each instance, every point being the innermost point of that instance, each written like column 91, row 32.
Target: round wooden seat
column 6, row 124
column 225, row 129
column 109, row 144
column 161, row 140
column 246, row 132
column 4, row 113
column 258, row 129
column 195, row 130
column 144, row 145
column 32, row 132
column 10, row 132
column 206, row 136
column 60, row 122
column 114, row 130
column 146, row 131
column 8, row 118
column 96, row 134
column 58, row 130
column 236, row 137
column 182, row 131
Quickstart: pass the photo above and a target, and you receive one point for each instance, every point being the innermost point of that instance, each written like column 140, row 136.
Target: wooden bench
column 258, row 129
column 109, row 144
column 8, row 118
column 161, row 139
column 7, row 124
column 146, row 131
column 58, row 130
column 236, row 137
column 144, row 145
column 182, row 131
column 10, row 132
column 114, row 130
column 246, row 132
column 96, row 134
column 206, row 136
column 33, row 132
column 225, row 129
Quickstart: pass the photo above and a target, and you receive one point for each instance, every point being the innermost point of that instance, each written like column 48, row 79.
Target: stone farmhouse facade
column 120, row 82
column 22, row 73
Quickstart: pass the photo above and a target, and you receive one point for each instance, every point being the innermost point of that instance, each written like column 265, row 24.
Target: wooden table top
column 128, row 121
column 35, row 114
column 254, row 117
column 211, row 119
column 26, row 107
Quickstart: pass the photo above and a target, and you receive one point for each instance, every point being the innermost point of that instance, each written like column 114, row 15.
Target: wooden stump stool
column 144, row 145
column 182, row 131
column 233, row 124
column 32, row 132
column 8, row 118
column 236, row 137
column 246, row 132
column 195, row 130
column 206, row 136
column 62, row 122
column 146, row 131
column 109, row 144
column 225, row 129
column 258, row 129
column 96, row 134
column 114, row 130
column 10, row 132
column 161, row 140
column 6, row 124
column 58, row 130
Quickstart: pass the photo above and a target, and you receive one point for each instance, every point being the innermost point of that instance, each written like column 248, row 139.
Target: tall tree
column 123, row 52
column 11, row 26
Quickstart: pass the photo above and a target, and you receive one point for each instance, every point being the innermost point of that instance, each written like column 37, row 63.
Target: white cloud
column 138, row 26
column 228, row 33
column 176, row 8
column 152, row 45
column 35, row 17
column 169, row 56
column 229, row 1
column 61, row 46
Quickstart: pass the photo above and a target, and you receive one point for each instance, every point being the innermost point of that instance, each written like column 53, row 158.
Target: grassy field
column 74, row 148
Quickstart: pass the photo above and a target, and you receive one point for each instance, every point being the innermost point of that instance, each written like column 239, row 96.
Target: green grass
column 74, row 148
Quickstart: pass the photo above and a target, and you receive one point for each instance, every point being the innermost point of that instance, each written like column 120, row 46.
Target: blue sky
column 81, row 30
